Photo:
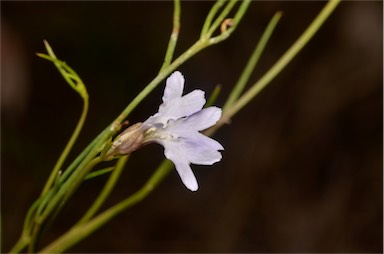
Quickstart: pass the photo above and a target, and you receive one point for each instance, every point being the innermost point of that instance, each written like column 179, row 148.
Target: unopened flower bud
column 128, row 141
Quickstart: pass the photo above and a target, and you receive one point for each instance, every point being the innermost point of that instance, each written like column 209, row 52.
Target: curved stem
column 221, row 17
column 210, row 16
column 67, row 148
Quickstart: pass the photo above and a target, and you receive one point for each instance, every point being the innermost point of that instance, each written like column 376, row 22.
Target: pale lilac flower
column 176, row 126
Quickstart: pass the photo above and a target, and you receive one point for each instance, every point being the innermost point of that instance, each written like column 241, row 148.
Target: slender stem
column 65, row 191
column 221, row 17
column 21, row 244
column 210, row 16
column 236, row 20
column 195, row 48
column 70, row 76
column 250, row 66
column 99, row 142
column 78, row 233
column 99, row 172
column 202, row 43
column 213, row 96
column 174, row 35
column 67, row 148
column 106, row 190
column 81, row 157
column 69, row 187
column 280, row 64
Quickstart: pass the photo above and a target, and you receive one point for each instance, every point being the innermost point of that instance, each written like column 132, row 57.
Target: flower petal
column 173, row 153
column 174, row 87
column 205, row 118
column 198, row 121
column 195, row 148
column 201, row 150
column 181, row 107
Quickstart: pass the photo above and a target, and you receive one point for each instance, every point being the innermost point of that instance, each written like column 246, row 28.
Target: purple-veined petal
column 174, row 87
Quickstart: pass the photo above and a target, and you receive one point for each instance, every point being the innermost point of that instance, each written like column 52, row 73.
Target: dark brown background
column 302, row 169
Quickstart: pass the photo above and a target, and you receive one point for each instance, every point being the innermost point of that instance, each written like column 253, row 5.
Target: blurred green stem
column 280, row 64
column 210, row 16
column 106, row 190
column 59, row 199
column 174, row 35
column 77, row 233
column 68, row 147
column 201, row 44
column 250, row 66
column 77, row 84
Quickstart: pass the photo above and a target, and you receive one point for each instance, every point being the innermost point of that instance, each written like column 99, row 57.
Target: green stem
column 106, row 190
column 195, row 48
column 82, row 163
column 78, row 233
column 65, row 191
column 69, row 187
column 68, row 148
column 250, row 66
column 21, row 244
column 281, row 63
column 74, row 165
column 202, row 43
column 236, row 20
column 213, row 96
column 70, row 76
column 97, row 173
column 221, row 17
column 174, row 35
column 210, row 16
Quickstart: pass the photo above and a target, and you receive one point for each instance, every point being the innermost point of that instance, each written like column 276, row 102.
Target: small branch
column 174, row 36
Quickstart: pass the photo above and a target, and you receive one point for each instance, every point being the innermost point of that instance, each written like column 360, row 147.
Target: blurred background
column 302, row 166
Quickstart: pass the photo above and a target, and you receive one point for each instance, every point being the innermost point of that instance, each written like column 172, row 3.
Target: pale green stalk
column 194, row 49
column 77, row 84
column 62, row 195
column 210, row 16
column 235, row 22
column 221, row 17
column 78, row 233
column 81, row 157
column 106, row 190
column 244, row 77
column 174, row 35
column 99, row 172
column 213, row 96
column 70, row 180
column 280, row 64
column 67, row 149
